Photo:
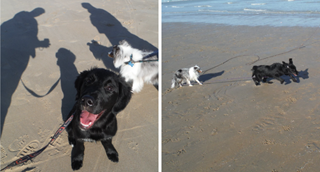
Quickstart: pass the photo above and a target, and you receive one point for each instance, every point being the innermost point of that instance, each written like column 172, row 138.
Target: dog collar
column 130, row 62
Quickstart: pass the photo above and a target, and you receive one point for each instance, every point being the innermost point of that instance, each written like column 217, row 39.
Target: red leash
column 33, row 155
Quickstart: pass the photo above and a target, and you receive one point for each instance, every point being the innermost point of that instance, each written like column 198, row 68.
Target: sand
column 45, row 45
column 228, row 123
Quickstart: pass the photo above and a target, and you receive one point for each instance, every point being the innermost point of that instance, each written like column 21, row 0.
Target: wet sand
column 228, row 123
column 45, row 45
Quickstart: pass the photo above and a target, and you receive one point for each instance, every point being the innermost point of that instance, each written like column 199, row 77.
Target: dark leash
column 33, row 155
column 131, row 62
column 35, row 94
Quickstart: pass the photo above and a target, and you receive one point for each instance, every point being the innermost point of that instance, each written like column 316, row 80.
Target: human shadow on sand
column 18, row 42
column 112, row 28
column 206, row 77
column 68, row 75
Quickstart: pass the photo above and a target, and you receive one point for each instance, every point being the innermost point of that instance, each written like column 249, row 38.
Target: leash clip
column 130, row 63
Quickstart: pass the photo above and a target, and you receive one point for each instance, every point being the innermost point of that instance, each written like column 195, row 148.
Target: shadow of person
column 107, row 24
column 18, row 42
column 206, row 77
column 68, row 74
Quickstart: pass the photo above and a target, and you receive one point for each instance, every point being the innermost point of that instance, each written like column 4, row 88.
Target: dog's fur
column 276, row 70
column 140, row 72
column 101, row 95
column 186, row 75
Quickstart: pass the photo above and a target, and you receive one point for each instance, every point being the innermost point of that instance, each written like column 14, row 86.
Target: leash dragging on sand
column 33, row 155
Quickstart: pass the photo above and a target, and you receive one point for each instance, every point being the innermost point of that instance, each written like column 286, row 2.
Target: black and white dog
column 186, row 75
column 101, row 95
column 276, row 70
column 128, row 59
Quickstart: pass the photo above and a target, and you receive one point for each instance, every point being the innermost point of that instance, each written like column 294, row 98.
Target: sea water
column 305, row 13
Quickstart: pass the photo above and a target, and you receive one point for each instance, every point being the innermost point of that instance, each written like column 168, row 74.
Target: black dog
column 262, row 72
column 101, row 94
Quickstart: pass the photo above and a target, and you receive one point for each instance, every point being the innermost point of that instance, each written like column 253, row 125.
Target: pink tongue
column 86, row 117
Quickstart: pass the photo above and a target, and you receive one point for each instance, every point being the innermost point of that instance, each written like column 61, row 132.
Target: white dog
column 135, row 65
column 186, row 75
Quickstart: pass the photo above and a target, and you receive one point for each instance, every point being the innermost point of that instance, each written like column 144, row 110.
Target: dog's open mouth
column 87, row 119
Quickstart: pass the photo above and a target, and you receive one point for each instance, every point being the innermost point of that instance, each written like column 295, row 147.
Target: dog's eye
column 108, row 88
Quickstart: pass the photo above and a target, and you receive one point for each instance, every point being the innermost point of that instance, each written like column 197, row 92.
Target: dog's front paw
column 281, row 82
column 113, row 157
column 294, row 80
column 76, row 165
column 190, row 85
column 200, row 83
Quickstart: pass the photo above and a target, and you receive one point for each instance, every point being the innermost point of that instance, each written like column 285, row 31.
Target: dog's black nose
column 87, row 100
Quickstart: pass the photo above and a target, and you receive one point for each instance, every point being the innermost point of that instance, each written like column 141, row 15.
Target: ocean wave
column 166, row 1
column 199, row 6
column 176, row 6
column 246, row 10
column 220, row 11
column 258, row 4
column 254, row 10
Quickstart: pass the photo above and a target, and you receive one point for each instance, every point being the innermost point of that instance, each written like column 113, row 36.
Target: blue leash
column 131, row 62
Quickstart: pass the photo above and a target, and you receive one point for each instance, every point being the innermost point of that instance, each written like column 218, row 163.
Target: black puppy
column 262, row 72
column 101, row 94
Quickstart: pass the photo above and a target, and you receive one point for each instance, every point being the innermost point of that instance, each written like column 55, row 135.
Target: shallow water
column 244, row 12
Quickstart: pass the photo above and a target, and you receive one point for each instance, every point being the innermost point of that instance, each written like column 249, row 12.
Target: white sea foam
column 254, row 10
column 258, row 4
column 199, row 6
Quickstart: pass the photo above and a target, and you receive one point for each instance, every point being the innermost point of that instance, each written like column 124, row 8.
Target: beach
column 228, row 123
column 44, row 47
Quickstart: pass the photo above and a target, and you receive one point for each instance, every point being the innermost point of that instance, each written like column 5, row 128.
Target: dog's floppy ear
column 124, row 96
column 290, row 61
column 79, row 81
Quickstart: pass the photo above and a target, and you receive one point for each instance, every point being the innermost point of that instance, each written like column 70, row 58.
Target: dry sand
column 235, row 126
column 32, row 117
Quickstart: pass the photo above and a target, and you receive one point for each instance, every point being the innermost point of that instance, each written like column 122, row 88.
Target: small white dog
column 186, row 75
column 135, row 65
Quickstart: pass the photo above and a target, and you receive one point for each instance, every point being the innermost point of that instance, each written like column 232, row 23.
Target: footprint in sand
column 3, row 153
column 29, row 148
column 18, row 143
column 133, row 145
